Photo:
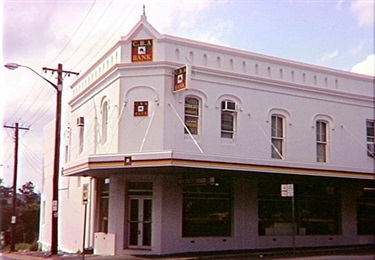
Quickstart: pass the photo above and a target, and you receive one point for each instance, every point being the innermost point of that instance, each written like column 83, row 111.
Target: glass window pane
column 207, row 210
column 227, row 122
column 191, row 115
column 370, row 131
column 321, row 131
column 277, row 126
column 275, row 212
column 134, row 206
column 321, row 152
column 365, row 212
column 277, row 149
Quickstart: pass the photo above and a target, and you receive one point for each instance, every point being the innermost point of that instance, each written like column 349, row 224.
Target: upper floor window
column 192, row 115
column 321, row 141
column 370, row 138
column 81, row 132
column 277, row 136
column 104, row 121
column 228, row 118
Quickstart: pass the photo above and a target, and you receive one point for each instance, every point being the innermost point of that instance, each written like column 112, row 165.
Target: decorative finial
column 144, row 10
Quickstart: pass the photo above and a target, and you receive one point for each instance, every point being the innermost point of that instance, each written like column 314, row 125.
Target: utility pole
column 15, row 169
column 55, row 178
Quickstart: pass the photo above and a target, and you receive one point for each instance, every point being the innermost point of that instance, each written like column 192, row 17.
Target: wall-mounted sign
column 204, row 181
column 142, row 50
column 287, row 190
column 140, row 108
column 180, row 78
column 128, row 160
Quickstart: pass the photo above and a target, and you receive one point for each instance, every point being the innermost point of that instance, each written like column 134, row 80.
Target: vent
column 228, row 106
column 80, row 121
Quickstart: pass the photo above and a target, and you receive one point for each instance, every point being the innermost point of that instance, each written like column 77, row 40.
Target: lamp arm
column 50, row 82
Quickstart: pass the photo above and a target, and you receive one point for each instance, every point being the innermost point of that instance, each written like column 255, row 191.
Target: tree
column 28, row 194
column 28, row 211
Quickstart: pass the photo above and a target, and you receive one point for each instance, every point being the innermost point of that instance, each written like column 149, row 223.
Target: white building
column 184, row 146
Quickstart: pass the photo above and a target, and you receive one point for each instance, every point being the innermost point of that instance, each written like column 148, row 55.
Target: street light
column 55, row 178
column 14, row 66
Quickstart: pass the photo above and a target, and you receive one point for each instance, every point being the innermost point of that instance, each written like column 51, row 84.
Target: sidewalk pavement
column 339, row 253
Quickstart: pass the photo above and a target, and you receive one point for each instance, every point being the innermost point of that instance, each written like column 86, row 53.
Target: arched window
column 277, row 136
column 321, row 141
column 104, row 121
column 228, row 119
column 192, row 113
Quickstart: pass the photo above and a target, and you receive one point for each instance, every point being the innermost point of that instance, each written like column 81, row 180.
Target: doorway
column 140, row 215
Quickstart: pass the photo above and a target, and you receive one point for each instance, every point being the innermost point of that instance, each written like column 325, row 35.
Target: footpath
column 339, row 253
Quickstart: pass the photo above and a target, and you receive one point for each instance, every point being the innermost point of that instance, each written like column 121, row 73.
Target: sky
column 338, row 34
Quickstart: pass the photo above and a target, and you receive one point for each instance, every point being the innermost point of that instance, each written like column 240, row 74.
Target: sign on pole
column 287, row 190
column 85, row 194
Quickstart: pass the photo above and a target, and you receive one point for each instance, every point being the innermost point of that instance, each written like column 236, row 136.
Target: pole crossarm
column 60, row 71
column 20, row 127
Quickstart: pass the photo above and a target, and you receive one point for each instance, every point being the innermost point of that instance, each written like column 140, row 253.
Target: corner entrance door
column 140, row 222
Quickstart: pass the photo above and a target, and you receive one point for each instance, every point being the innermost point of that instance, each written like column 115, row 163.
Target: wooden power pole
column 15, row 169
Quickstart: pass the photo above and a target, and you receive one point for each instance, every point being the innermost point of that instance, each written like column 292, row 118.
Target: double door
column 140, row 226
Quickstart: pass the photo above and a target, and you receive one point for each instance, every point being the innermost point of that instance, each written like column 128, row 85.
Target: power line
column 100, row 39
column 89, row 33
column 75, row 32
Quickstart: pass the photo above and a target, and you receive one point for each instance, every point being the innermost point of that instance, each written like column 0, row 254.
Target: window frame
column 104, row 111
column 195, row 118
column 81, row 138
column 207, row 209
column 275, row 212
column 322, row 140
column 231, row 117
column 370, row 138
column 277, row 136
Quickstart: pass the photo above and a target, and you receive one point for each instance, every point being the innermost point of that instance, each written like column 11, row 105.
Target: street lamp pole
column 55, row 177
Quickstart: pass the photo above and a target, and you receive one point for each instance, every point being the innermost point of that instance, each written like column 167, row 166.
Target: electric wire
column 32, row 154
column 18, row 108
column 105, row 45
column 41, row 112
column 35, row 83
column 90, row 32
column 32, row 159
column 75, row 32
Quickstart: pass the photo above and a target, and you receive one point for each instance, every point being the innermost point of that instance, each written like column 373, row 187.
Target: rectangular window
column 365, row 212
column 277, row 136
column 81, row 138
column 228, row 119
column 104, row 122
column 192, row 115
column 370, row 138
column 66, row 153
column 321, row 141
column 207, row 210
column 275, row 212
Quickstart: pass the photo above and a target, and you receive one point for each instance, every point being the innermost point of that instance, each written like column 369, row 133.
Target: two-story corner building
column 185, row 146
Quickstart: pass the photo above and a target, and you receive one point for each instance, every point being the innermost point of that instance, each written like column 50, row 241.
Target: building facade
column 173, row 146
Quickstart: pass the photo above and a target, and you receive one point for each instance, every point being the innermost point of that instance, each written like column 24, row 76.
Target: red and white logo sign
column 142, row 50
